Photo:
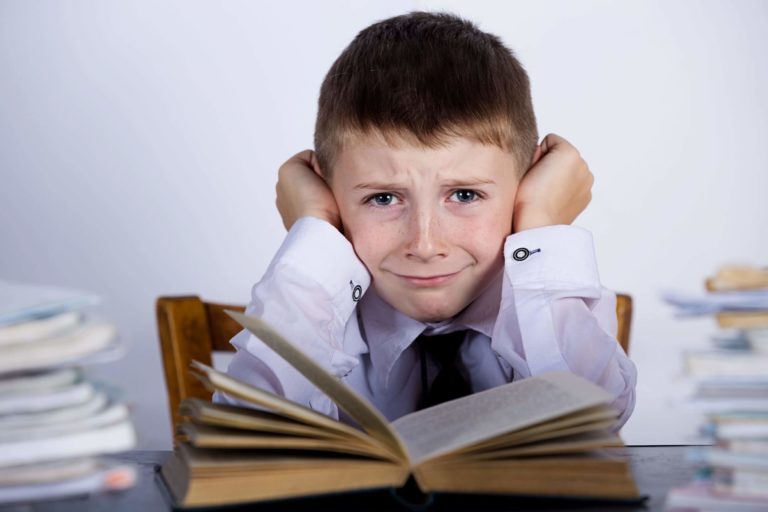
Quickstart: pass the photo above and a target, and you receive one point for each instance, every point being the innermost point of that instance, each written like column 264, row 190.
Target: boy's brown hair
column 425, row 77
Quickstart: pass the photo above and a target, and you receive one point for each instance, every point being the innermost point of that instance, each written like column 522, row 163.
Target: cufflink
column 357, row 291
column 522, row 253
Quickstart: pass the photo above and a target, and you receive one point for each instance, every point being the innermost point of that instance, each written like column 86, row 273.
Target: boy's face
column 429, row 224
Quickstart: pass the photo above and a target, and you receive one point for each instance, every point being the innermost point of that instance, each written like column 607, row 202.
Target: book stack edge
column 729, row 384
column 55, row 423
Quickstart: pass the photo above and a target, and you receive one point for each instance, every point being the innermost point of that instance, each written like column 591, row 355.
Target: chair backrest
column 191, row 329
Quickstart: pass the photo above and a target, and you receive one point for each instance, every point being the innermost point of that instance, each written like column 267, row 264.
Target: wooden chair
column 191, row 329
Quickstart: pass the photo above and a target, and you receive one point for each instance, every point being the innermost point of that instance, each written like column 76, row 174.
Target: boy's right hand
column 302, row 191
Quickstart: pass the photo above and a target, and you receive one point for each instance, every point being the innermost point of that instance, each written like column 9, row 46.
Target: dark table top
column 656, row 470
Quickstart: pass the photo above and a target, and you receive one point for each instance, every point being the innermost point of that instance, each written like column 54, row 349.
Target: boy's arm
column 555, row 315
column 554, row 312
column 308, row 292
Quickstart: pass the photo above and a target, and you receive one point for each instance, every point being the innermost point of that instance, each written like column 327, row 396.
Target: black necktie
column 449, row 382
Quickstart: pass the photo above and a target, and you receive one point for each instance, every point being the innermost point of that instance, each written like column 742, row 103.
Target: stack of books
column 728, row 382
column 54, row 423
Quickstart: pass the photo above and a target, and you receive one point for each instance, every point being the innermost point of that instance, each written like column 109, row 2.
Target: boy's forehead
column 365, row 156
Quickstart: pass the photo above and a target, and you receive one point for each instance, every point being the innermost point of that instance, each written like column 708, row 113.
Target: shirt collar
column 388, row 332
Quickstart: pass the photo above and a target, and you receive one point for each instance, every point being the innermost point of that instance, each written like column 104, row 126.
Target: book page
column 223, row 415
column 576, row 443
column 587, row 420
column 203, row 436
column 280, row 406
column 458, row 423
column 370, row 419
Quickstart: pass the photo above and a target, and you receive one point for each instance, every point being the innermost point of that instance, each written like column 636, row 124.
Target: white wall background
column 139, row 143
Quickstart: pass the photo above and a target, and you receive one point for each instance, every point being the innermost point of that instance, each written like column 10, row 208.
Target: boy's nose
column 425, row 237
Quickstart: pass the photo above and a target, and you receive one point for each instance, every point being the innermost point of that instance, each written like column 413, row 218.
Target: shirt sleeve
column 555, row 315
column 307, row 294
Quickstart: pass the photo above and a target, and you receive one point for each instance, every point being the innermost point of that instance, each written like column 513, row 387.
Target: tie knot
column 443, row 347
column 449, row 383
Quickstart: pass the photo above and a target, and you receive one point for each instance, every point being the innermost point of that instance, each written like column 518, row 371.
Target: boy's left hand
column 556, row 189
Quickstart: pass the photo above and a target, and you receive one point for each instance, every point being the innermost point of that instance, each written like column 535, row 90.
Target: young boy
column 428, row 209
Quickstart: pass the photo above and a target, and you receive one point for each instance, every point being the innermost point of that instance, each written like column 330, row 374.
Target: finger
column 536, row 156
column 553, row 141
column 302, row 156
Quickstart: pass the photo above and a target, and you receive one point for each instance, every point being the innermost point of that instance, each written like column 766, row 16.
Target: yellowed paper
column 514, row 406
column 203, row 436
column 238, row 389
column 370, row 419
column 223, row 415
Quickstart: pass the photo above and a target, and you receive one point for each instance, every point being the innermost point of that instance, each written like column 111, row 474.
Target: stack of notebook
column 54, row 422
column 728, row 381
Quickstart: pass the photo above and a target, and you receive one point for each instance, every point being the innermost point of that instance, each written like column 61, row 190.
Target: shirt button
column 522, row 253
column 357, row 291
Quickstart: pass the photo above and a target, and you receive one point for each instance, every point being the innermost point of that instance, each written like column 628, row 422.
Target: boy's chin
column 430, row 312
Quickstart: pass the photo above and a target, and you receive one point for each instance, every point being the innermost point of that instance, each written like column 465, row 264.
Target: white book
column 702, row 497
column 42, row 472
column 725, row 405
column 109, row 478
column 39, row 381
column 745, row 430
column 61, row 415
column 712, row 302
column 75, row 394
column 720, row 457
column 726, row 395
column 743, row 482
column 725, row 363
column 35, row 330
column 67, row 348
column 758, row 340
column 113, row 438
column 747, row 446
column 111, row 414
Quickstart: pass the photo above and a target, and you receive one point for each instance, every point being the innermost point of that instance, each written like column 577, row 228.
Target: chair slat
column 184, row 336
column 624, row 316
column 222, row 326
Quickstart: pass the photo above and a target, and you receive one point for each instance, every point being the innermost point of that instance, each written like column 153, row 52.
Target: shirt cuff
column 551, row 257
column 318, row 252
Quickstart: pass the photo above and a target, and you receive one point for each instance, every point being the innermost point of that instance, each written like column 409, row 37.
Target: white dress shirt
column 547, row 311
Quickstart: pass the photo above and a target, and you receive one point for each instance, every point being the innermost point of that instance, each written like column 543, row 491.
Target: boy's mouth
column 427, row 281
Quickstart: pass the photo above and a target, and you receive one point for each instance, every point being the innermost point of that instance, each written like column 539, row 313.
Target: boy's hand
column 301, row 191
column 556, row 189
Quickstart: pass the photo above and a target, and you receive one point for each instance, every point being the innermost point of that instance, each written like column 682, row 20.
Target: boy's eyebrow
column 463, row 182
column 378, row 185
column 469, row 182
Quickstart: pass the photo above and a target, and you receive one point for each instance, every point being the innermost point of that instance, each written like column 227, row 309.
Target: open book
column 544, row 435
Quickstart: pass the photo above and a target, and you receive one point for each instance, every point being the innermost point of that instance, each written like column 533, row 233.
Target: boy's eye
column 383, row 199
column 465, row 196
